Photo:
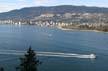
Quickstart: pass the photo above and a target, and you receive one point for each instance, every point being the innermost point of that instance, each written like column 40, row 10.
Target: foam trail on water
column 51, row 54
column 38, row 52
column 3, row 50
column 57, row 53
column 66, row 56
column 6, row 59
column 7, row 53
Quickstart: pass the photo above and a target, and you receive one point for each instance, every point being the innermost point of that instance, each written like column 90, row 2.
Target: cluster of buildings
column 39, row 23
column 11, row 22
column 50, row 23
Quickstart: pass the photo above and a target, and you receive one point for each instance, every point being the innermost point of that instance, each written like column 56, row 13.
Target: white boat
column 92, row 56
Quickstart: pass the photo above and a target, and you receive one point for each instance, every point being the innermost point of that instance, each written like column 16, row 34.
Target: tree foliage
column 29, row 62
column 1, row 69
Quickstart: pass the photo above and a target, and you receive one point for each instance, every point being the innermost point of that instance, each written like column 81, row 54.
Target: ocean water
column 51, row 39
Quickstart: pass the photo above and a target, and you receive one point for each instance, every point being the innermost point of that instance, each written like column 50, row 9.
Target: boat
column 92, row 56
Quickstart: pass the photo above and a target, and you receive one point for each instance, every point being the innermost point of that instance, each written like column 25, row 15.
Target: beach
column 68, row 29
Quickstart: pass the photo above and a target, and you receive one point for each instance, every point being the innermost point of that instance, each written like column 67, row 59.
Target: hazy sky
column 6, row 5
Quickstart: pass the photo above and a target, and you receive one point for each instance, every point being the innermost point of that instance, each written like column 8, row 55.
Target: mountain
column 51, row 13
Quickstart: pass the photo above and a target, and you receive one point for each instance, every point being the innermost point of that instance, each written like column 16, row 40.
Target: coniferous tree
column 29, row 62
column 1, row 69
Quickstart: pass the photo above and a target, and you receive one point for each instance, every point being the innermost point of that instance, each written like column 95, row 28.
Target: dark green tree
column 1, row 69
column 29, row 62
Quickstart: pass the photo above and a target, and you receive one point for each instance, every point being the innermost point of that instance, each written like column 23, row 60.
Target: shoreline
column 67, row 29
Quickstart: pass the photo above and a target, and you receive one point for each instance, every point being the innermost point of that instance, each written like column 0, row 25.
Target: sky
column 7, row 5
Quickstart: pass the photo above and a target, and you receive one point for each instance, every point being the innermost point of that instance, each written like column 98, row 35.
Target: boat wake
column 48, row 54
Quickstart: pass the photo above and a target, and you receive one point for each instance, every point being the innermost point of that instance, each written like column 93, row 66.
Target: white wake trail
column 49, row 54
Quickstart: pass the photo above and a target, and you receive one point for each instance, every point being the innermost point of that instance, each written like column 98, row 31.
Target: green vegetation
column 1, row 69
column 103, row 28
column 29, row 62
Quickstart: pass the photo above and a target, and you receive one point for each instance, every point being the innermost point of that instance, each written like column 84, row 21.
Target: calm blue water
column 54, row 40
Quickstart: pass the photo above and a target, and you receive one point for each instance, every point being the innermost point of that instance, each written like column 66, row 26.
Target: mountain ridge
column 28, row 13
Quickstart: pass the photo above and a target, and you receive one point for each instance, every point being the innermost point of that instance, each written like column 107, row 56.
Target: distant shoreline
column 67, row 29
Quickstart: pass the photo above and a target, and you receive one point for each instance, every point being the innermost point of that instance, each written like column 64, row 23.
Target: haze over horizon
column 7, row 5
